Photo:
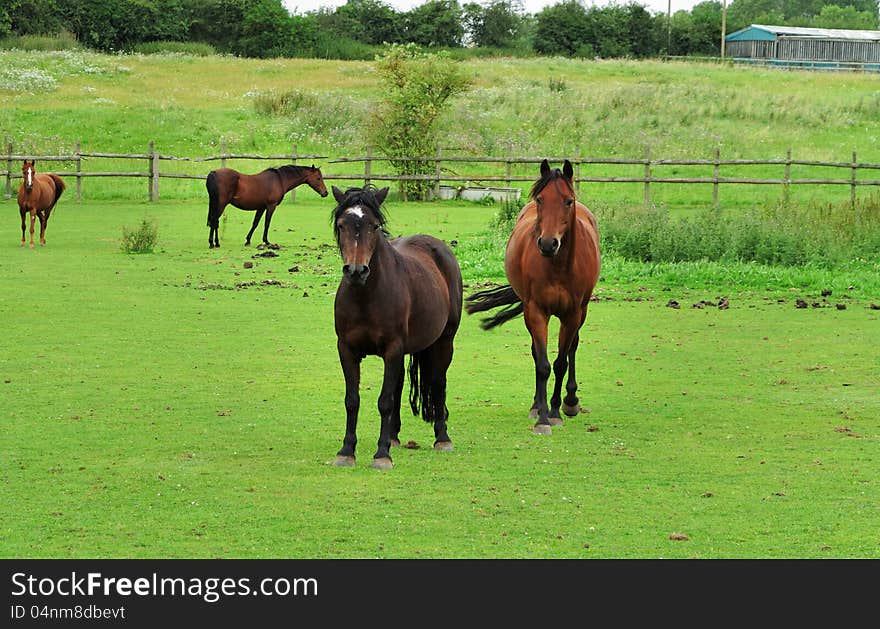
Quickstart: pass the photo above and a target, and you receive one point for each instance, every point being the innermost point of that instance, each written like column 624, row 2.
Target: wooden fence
column 647, row 165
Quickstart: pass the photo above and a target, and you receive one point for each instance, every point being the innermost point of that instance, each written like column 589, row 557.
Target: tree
column 833, row 16
column 560, row 29
column 266, row 31
column 368, row 21
column 417, row 86
column 435, row 23
column 34, row 17
column 496, row 24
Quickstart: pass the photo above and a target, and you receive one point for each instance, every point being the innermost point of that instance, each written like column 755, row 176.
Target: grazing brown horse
column 552, row 263
column 255, row 193
column 37, row 195
column 396, row 297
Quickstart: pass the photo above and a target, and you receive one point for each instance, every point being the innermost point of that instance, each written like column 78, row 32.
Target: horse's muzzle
column 548, row 247
column 356, row 273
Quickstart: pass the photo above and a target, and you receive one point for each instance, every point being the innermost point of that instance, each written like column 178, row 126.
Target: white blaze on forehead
column 357, row 210
column 30, row 176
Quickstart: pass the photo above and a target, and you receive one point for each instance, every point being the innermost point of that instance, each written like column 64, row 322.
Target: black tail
column 426, row 396
column 492, row 298
column 213, row 200
column 59, row 187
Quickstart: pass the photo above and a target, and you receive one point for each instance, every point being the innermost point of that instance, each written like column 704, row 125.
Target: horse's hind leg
column 568, row 340
column 570, row 404
column 395, row 412
column 44, row 221
column 23, row 227
column 440, row 359
column 257, row 218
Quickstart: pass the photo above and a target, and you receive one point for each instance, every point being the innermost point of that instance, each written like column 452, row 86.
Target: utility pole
column 723, row 26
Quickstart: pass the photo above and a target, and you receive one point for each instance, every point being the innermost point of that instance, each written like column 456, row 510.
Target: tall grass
column 822, row 235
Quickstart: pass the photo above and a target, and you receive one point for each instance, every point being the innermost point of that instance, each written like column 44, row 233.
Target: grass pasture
column 178, row 404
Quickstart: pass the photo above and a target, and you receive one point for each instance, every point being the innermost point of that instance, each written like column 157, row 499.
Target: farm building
column 818, row 48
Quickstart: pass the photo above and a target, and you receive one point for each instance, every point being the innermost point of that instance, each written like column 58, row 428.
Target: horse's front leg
column 257, row 218
column 23, row 227
column 395, row 413
column 33, row 219
column 568, row 340
column 269, row 212
column 536, row 322
column 393, row 372
column 351, row 370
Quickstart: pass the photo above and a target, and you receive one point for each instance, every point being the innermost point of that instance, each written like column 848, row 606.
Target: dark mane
column 545, row 179
column 293, row 168
column 365, row 197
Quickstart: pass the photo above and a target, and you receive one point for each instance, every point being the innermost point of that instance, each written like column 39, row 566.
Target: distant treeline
column 265, row 28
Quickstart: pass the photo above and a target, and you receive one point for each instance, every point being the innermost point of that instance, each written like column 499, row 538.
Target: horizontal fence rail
column 442, row 175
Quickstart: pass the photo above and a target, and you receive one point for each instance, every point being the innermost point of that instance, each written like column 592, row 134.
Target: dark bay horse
column 396, row 297
column 255, row 193
column 37, row 195
column 552, row 263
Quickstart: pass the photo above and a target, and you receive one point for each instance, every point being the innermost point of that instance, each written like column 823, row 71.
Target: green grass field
column 178, row 404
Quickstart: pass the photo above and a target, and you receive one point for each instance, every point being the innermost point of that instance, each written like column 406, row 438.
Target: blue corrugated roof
column 762, row 32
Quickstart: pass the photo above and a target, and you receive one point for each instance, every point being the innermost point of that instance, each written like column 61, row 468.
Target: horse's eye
column 569, row 202
column 376, row 226
column 539, row 200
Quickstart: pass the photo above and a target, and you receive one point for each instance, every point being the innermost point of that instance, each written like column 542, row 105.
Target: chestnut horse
column 552, row 263
column 396, row 297
column 37, row 195
column 255, row 193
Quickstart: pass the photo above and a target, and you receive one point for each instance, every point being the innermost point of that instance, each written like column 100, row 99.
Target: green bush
column 141, row 239
column 196, row 49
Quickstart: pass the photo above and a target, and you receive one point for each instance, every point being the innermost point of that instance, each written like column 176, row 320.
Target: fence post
column 368, row 166
column 437, row 173
column 715, row 176
column 577, row 172
column 852, row 185
column 8, row 169
column 222, row 153
column 293, row 161
column 78, row 171
column 507, row 164
column 154, row 173
column 786, row 190
column 647, row 177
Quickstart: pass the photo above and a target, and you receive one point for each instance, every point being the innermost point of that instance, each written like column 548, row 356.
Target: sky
column 530, row 6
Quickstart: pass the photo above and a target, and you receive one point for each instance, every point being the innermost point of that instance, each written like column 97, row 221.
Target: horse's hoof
column 382, row 463
column 343, row 461
column 443, row 446
column 542, row 429
column 571, row 411
column 555, row 421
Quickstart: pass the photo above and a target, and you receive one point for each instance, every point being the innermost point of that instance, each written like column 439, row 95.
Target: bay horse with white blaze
column 37, row 195
column 260, row 193
column 552, row 262
column 396, row 297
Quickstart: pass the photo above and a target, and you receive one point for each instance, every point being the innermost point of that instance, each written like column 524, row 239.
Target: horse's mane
column 292, row 167
column 365, row 197
column 545, row 179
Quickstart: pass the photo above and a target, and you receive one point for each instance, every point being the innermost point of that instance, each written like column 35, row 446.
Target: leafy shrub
column 141, row 239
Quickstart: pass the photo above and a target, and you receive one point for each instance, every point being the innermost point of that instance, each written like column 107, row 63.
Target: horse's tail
column 427, row 388
column 59, row 187
column 493, row 298
column 213, row 200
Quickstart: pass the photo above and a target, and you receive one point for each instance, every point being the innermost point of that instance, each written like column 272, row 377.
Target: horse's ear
column 567, row 170
column 545, row 168
column 381, row 194
column 338, row 194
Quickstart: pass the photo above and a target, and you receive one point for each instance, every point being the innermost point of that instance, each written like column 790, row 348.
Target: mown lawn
column 178, row 404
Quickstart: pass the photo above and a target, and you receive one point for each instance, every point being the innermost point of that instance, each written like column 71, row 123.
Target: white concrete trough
column 468, row 193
